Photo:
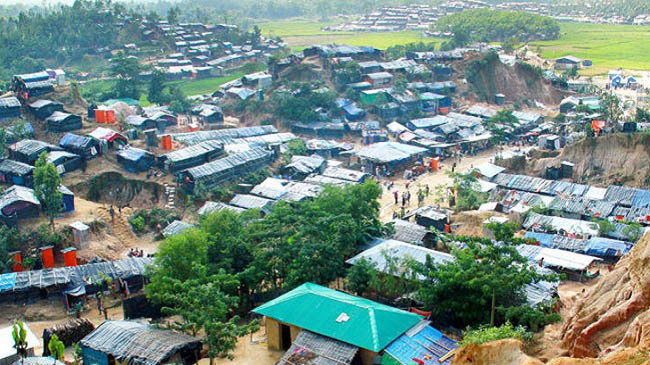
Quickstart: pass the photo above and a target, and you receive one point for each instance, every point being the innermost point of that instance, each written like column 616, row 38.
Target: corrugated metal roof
column 556, row 258
column 306, row 164
column 18, row 193
column 343, row 317
column 386, row 152
column 200, row 136
column 281, row 189
column 417, row 343
column 11, row 102
column 344, row 174
column 326, row 180
column 213, row 207
column 408, row 232
column 248, row 201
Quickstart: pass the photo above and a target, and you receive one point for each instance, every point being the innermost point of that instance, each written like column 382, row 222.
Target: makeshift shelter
column 68, row 199
column 195, row 155
column 135, row 160
column 81, row 234
column 85, row 147
column 431, row 217
column 43, row 108
column 312, row 348
column 302, row 166
column 37, row 88
column 418, row 345
column 18, row 202
column 247, row 201
column 326, row 180
column 356, row 321
column 558, row 224
column 560, row 260
column 401, row 251
column 280, row 189
column 16, row 173
column 176, row 227
column 210, row 207
column 64, row 161
column 134, row 343
column 108, row 136
column 8, row 354
column 9, row 108
column 73, row 281
column 28, row 150
column 390, row 154
column 140, row 122
column 345, row 174
column 408, row 232
column 238, row 164
column 223, row 134
column 605, row 248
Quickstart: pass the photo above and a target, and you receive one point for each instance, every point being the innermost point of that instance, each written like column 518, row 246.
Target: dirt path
column 387, row 203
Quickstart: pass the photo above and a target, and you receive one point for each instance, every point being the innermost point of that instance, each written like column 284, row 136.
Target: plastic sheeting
column 88, row 274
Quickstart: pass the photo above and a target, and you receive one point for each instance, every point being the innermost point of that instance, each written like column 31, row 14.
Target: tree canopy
column 484, row 25
column 46, row 187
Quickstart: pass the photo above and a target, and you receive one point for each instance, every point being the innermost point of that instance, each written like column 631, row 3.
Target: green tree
column 359, row 276
column 503, row 232
column 172, row 15
column 256, row 35
column 501, row 125
column 46, row 187
column 509, row 44
column 468, row 194
column 157, row 87
column 127, row 71
column 399, row 84
column 610, row 107
column 56, row 348
column 483, row 277
column 19, row 335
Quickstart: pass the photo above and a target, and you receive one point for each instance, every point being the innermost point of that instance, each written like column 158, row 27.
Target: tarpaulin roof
column 408, row 232
column 134, row 343
column 417, row 343
column 401, row 250
column 557, row 224
column 193, row 151
column 553, row 257
column 281, row 189
column 71, row 140
column 11, row 102
column 229, row 163
column 306, row 164
column 247, row 201
column 17, row 193
column 176, row 227
column 344, row 174
column 353, row 320
column 14, row 167
column 386, row 152
column 195, row 137
column 213, row 207
column 107, row 134
column 326, row 180
column 320, row 350
column 132, row 153
column 32, row 146
column 88, row 274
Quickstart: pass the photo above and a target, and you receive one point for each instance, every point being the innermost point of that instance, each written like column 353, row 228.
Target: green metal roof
column 354, row 320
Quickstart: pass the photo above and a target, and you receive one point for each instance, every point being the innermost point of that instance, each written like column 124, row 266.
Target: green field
column 608, row 46
column 300, row 33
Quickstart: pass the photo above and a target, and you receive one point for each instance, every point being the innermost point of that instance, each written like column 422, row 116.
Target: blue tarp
column 544, row 239
column 605, row 247
column 641, row 199
column 411, row 345
column 7, row 281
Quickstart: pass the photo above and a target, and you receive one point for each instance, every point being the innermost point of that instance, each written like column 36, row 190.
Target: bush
column 485, row 334
column 534, row 319
column 137, row 224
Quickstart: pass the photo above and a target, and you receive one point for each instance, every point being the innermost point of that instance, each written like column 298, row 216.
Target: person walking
column 408, row 197
column 426, row 190
column 396, row 196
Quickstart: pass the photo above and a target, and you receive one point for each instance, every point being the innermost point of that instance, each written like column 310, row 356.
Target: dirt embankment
column 614, row 158
column 113, row 188
column 521, row 84
column 503, row 352
column 614, row 314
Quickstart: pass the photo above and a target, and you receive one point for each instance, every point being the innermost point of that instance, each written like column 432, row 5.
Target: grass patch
column 205, row 86
column 608, row 46
column 299, row 34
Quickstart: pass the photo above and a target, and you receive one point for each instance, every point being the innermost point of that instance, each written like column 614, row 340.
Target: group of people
column 406, row 195
column 134, row 252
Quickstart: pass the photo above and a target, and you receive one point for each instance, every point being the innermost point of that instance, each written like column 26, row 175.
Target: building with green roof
column 369, row 325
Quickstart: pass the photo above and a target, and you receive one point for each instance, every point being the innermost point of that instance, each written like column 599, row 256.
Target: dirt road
column 432, row 179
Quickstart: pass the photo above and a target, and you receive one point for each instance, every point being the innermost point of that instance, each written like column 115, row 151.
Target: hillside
column 521, row 84
column 614, row 158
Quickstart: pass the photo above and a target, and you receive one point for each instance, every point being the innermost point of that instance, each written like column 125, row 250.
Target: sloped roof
column 384, row 152
column 15, row 167
column 213, row 207
column 406, row 231
column 353, row 320
column 312, row 348
column 556, row 258
column 306, row 164
column 176, row 227
column 422, row 340
column 139, row 344
column 18, row 193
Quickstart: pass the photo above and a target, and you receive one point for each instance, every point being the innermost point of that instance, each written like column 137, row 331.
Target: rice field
column 303, row 33
column 608, row 46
